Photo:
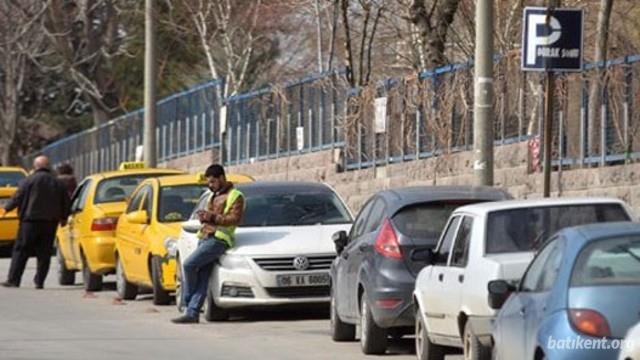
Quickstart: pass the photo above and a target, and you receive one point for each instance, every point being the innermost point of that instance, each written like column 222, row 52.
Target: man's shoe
column 186, row 319
column 9, row 284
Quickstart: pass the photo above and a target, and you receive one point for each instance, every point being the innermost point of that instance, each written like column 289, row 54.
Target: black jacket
column 41, row 197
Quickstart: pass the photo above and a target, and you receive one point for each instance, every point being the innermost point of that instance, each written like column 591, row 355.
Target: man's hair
column 65, row 169
column 215, row 170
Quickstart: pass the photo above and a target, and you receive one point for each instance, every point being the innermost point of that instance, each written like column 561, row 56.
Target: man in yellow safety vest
column 219, row 219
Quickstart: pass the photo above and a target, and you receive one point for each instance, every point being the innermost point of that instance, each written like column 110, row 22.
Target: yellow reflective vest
column 225, row 233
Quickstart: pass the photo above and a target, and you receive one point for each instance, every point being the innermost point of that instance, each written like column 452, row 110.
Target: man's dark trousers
column 197, row 271
column 33, row 237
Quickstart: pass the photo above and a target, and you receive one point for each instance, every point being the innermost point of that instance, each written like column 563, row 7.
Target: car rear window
column 525, row 229
column 10, row 178
column 424, row 222
column 117, row 189
column 177, row 202
column 608, row 262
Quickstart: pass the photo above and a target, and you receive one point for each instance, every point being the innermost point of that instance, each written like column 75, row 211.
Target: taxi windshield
column 10, row 178
column 117, row 189
column 177, row 202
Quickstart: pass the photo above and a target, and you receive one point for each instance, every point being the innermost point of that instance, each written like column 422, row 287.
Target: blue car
column 578, row 298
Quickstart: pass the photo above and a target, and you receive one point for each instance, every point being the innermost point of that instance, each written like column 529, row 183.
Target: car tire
column 124, row 288
column 472, row 348
column 65, row 276
column 340, row 331
column 160, row 295
column 425, row 349
column 179, row 303
column 92, row 282
column 373, row 339
column 212, row 312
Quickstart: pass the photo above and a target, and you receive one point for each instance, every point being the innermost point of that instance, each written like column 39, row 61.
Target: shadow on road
column 281, row 313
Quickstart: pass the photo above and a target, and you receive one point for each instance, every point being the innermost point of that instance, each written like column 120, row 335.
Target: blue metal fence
column 428, row 115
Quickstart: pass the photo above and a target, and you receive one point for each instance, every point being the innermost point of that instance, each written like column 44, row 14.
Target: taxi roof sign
column 131, row 165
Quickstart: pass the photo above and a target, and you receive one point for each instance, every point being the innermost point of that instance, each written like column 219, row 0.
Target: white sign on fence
column 300, row 137
column 223, row 119
column 139, row 155
column 380, row 125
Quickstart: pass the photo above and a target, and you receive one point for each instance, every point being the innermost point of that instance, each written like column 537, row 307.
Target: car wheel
column 124, row 288
column 160, row 295
column 65, row 276
column 179, row 303
column 373, row 339
column 472, row 348
column 425, row 349
column 92, row 282
column 213, row 312
column 340, row 331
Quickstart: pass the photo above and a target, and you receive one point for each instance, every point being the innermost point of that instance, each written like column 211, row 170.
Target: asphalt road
column 67, row 323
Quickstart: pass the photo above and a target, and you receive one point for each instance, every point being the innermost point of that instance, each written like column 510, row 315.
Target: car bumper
column 253, row 287
column 399, row 316
column 100, row 253
column 8, row 231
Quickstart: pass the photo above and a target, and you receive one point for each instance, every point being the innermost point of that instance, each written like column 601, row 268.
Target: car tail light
column 104, row 224
column 388, row 303
column 589, row 322
column 387, row 242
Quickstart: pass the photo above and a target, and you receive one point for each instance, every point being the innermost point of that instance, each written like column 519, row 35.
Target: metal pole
column 548, row 116
column 484, row 93
column 149, row 87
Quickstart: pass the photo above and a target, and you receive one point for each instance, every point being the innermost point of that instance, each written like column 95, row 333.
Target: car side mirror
column 340, row 240
column 138, row 217
column 499, row 292
column 426, row 256
column 191, row 226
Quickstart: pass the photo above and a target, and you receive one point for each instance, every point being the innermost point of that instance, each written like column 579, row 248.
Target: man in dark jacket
column 65, row 174
column 43, row 203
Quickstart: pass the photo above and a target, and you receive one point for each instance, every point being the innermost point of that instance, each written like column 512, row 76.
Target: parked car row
column 462, row 268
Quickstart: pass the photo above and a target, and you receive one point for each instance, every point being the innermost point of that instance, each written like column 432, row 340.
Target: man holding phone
column 219, row 219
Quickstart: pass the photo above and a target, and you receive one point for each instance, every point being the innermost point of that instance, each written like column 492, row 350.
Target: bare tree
column 598, row 83
column 21, row 43
column 433, row 23
column 89, row 37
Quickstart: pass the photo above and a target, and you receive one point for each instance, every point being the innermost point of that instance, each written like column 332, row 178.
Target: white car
column 486, row 242
column 631, row 345
column 283, row 249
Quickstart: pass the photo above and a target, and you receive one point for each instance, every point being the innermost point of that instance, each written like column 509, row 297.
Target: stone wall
column 511, row 173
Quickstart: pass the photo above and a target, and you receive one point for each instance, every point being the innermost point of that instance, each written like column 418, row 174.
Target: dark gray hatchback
column 373, row 277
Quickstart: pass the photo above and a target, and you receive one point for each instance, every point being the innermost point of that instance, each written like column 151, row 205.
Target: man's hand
column 204, row 215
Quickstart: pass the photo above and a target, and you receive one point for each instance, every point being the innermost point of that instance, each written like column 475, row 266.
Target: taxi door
column 129, row 236
column 70, row 234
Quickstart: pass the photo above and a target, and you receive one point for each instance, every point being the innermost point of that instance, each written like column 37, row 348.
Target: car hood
column 286, row 240
column 6, row 192
column 512, row 265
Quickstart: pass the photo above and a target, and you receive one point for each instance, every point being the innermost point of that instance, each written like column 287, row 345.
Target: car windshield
column 117, row 189
column 424, row 222
column 293, row 208
column 525, row 229
column 177, row 202
column 10, row 178
column 608, row 262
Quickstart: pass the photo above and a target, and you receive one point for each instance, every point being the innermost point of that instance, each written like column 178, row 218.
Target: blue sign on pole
column 552, row 39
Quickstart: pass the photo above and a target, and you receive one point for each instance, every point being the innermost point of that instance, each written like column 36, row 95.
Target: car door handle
column 440, row 277
column 461, row 278
column 345, row 255
column 362, row 247
column 522, row 311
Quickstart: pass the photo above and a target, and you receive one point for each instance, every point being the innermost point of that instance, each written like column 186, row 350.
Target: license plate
column 303, row 280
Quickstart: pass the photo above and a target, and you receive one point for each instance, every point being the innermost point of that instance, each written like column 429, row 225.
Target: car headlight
column 234, row 262
column 171, row 244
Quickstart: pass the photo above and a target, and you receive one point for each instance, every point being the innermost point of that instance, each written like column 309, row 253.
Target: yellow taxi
column 147, row 232
column 87, row 242
column 9, row 179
